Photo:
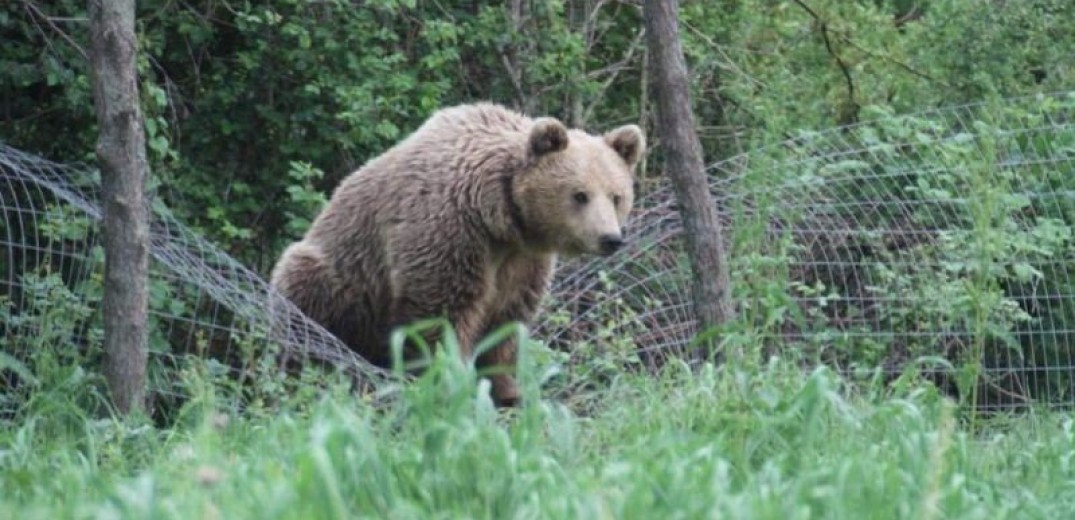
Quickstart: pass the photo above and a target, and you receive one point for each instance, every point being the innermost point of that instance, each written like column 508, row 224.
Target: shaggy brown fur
column 463, row 219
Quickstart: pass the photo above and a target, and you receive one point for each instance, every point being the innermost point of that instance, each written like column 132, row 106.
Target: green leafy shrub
column 919, row 236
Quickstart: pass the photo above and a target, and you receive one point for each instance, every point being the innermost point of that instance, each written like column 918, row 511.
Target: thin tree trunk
column 122, row 157
column 684, row 164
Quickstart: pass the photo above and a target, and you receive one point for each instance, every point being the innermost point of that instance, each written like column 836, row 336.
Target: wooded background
column 255, row 110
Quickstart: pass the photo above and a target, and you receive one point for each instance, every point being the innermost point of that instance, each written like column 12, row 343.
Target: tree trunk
column 685, row 165
column 122, row 158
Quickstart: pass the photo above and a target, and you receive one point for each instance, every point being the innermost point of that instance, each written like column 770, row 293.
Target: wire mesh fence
column 939, row 240
column 203, row 302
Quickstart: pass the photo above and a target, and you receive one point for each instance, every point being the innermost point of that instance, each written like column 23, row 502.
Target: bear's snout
column 610, row 243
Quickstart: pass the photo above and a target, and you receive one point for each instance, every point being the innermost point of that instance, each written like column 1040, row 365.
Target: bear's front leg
column 502, row 360
column 526, row 280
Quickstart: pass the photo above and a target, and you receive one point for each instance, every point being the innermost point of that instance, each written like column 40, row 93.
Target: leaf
column 1025, row 272
column 8, row 362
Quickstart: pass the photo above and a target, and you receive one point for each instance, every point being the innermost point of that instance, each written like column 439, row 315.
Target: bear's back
column 422, row 182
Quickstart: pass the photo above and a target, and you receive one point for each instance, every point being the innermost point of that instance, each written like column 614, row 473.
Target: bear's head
column 577, row 190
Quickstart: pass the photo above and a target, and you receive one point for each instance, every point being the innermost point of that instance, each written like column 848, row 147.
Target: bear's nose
column 610, row 243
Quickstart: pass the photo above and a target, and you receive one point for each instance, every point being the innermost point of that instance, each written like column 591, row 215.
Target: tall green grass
column 767, row 442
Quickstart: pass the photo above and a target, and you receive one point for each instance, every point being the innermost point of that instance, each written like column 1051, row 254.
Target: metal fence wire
column 203, row 302
column 940, row 240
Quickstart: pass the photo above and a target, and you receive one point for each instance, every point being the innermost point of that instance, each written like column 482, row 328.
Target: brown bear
column 463, row 219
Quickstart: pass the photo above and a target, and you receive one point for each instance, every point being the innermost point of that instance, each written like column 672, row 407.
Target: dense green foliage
column 946, row 234
column 249, row 102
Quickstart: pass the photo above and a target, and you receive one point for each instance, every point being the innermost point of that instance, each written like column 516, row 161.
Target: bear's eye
column 616, row 199
column 582, row 198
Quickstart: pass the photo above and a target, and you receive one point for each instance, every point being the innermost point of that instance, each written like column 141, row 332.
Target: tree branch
column 615, row 68
column 36, row 13
column 824, row 27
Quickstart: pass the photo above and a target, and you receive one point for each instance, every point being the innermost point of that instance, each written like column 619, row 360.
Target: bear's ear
column 629, row 143
column 548, row 135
